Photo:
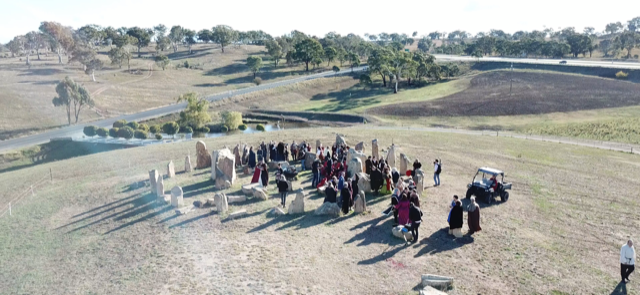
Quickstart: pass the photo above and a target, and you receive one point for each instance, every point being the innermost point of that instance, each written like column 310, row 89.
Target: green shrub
column 243, row 127
column 621, row 75
column 155, row 129
column 126, row 132
column 119, row 123
column 170, row 128
column 232, row 120
column 186, row 129
column 257, row 81
column 90, row 130
column 141, row 134
column 260, row 127
column 102, row 132
column 143, row 127
column 224, row 129
column 158, row 136
column 204, row 129
column 133, row 125
column 113, row 132
column 186, row 64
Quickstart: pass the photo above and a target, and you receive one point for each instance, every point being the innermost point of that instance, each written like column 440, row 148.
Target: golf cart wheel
column 489, row 198
column 505, row 196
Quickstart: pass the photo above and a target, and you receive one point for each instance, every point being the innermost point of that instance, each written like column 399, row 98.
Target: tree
column 254, row 63
column 434, row 35
column 232, row 119
column 579, row 44
column 16, row 45
column 223, row 35
column 83, row 55
column 424, row 44
column 634, row 24
column 60, row 37
column 176, row 35
column 204, row 35
column 171, row 128
column 613, row 28
column 159, row 31
column 335, row 69
column 143, row 37
column 163, row 43
column 415, row 33
column 400, row 62
column 330, row 54
column 354, row 60
column 73, row 97
column 342, row 55
column 589, row 31
column 628, row 40
column 162, row 61
column 606, row 46
column 274, row 50
column 92, row 66
column 35, row 40
column 379, row 62
column 190, row 38
column 90, row 35
column 306, row 50
column 196, row 113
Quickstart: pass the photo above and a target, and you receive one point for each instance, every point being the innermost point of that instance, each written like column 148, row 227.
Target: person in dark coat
column 415, row 216
column 252, row 158
column 473, row 216
column 414, row 198
column 367, row 165
column 330, row 193
column 376, row 179
column 395, row 175
column 456, row 220
column 416, row 165
column 345, row 195
column 264, row 176
column 395, row 199
column 354, row 185
column 283, row 188
column 315, row 170
column 280, row 150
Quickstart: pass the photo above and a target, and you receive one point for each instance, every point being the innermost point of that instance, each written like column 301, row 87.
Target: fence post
column 51, row 175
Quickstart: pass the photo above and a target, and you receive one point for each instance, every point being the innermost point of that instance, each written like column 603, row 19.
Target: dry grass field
column 97, row 230
column 26, row 93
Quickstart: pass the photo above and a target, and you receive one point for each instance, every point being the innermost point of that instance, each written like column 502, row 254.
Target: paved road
column 570, row 62
column 27, row 141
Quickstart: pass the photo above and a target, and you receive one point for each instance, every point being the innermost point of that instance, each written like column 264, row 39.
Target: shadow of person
column 441, row 241
column 621, row 289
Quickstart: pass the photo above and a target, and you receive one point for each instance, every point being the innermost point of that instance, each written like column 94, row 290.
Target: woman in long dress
column 264, row 176
column 473, row 216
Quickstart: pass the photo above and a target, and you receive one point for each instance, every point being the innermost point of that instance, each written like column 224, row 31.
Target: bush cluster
column 155, row 129
column 133, row 125
column 102, row 132
column 260, row 127
column 141, row 134
column 126, row 132
column 90, row 130
column 242, row 127
column 113, row 132
column 170, row 128
column 119, row 123
column 621, row 75
column 232, row 120
column 158, row 136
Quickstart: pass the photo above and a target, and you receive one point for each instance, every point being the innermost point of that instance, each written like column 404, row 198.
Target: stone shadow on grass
column 198, row 188
column 275, row 220
column 190, row 220
column 244, row 216
column 139, row 205
column 377, row 231
column 307, row 220
column 441, row 241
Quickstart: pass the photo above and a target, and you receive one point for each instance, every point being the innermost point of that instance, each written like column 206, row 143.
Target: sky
column 278, row 17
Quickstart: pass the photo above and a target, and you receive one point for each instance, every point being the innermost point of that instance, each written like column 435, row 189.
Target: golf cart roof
column 490, row 171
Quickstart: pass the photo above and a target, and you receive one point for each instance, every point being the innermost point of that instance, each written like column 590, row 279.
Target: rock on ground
column 330, row 209
column 297, row 205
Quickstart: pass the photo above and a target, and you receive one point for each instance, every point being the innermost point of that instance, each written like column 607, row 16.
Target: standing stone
column 214, row 162
column 267, row 158
column 259, row 193
column 187, row 164
column 297, row 205
column 354, row 166
column 171, row 170
column 404, row 164
column 203, row 159
column 318, row 144
column 360, row 203
column 340, row 140
column 420, row 181
column 236, row 153
column 153, row 177
column 364, row 183
column 309, row 159
column 374, row 149
column 221, row 202
column 245, row 155
column 176, row 197
column 160, row 187
column 391, row 156
column 328, row 208
column 360, row 147
column 223, row 170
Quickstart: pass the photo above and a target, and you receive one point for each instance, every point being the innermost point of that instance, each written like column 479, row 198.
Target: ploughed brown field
column 532, row 93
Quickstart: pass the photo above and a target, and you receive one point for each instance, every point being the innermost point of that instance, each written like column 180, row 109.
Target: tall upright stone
column 214, row 166
column 177, row 199
column 360, row 203
column 267, row 158
column 420, row 181
column 404, row 163
column 309, row 158
column 364, row 183
column 222, row 204
column 187, row 164
column 236, row 153
column 318, row 144
column 340, row 140
column 203, row 159
column 360, row 147
column 391, row 156
column 153, row 177
column 160, row 187
column 171, row 169
column 374, row 149
column 223, row 170
column 354, row 166
column 297, row 205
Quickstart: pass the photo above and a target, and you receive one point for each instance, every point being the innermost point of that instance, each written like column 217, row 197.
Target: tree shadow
column 40, row 72
column 146, row 217
column 441, row 241
column 230, row 69
column 350, row 98
column 185, row 54
column 108, row 207
column 265, row 76
column 210, row 85
column 620, row 289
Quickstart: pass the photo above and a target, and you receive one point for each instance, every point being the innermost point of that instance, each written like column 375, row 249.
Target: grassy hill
column 96, row 229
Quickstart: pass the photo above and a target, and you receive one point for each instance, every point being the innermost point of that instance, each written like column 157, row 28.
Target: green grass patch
column 620, row 130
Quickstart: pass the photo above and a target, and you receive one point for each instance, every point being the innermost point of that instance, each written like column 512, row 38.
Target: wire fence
column 8, row 209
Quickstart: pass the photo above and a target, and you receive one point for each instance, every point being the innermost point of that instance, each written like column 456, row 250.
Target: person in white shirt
column 627, row 260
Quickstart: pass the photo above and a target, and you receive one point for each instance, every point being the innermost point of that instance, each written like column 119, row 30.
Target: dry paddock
column 96, row 229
